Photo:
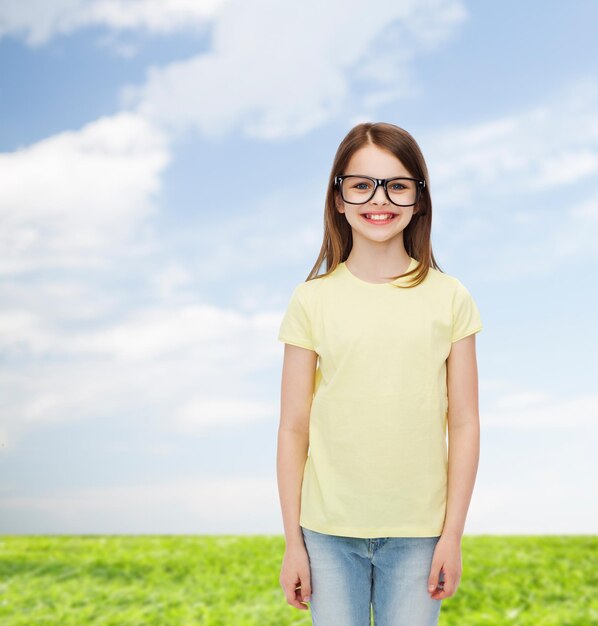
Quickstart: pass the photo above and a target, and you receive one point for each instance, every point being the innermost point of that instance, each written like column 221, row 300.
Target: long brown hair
column 338, row 238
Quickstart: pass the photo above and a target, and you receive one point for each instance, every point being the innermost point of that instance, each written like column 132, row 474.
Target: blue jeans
column 390, row 573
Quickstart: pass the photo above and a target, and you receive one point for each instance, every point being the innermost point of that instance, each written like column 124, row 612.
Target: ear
column 338, row 202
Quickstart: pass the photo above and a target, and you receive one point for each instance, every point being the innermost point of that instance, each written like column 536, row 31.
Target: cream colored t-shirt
column 377, row 459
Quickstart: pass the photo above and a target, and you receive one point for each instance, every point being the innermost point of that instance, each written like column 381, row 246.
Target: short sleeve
column 466, row 316
column 295, row 327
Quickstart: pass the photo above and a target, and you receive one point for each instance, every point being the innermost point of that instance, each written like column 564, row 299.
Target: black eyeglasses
column 400, row 190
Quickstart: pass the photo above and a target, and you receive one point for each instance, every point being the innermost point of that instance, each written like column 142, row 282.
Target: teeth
column 386, row 216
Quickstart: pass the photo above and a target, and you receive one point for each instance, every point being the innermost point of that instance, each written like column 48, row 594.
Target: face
column 377, row 163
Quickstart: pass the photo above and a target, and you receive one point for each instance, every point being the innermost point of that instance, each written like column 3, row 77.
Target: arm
column 464, row 433
column 463, row 458
column 293, row 440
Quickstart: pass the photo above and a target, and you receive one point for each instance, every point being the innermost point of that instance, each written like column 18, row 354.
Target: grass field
column 116, row 580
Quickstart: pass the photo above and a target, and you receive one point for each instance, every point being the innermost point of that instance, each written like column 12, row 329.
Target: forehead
column 376, row 162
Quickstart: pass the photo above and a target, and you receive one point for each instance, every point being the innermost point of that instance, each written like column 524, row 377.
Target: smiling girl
column 379, row 362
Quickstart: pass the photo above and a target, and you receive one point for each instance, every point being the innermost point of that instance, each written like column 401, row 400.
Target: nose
column 380, row 195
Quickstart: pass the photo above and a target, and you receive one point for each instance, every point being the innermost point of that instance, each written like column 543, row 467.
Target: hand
column 295, row 577
column 446, row 563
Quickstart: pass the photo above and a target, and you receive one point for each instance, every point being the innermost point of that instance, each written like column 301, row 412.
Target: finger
column 441, row 594
column 290, row 592
column 437, row 589
column 433, row 578
column 305, row 587
column 300, row 598
column 444, row 590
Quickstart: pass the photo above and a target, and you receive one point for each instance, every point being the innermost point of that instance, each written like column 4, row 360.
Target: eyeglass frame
column 380, row 182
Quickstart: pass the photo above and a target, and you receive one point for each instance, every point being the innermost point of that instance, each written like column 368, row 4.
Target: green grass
column 130, row 580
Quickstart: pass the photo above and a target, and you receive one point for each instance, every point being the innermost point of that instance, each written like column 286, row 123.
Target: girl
column 379, row 358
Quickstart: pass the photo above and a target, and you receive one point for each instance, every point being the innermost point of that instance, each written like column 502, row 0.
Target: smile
column 378, row 218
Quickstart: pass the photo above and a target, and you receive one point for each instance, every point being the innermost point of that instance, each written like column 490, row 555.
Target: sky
column 163, row 167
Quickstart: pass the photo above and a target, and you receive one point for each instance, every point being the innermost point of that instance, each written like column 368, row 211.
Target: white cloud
column 157, row 362
column 544, row 148
column 70, row 199
column 170, row 281
column 203, row 412
column 209, row 505
column 38, row 21
column 579, row 231
column 541, row 502
column 267, row 234
column 539, row 410
column 527, row 180
column 276, row 70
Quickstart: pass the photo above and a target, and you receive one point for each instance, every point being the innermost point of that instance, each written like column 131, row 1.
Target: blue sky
column 162, row 179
